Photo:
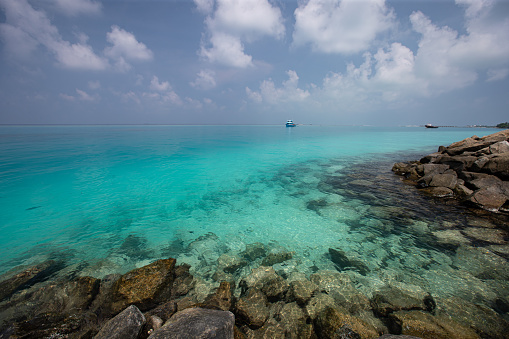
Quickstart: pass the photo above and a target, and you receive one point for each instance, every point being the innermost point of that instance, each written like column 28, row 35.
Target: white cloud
column 204, row 6
column 94, row 85
column 341, row 26
column 288, row 92
column 26, row 28
column 155, row 85
column 84, row 96
column 205, row 79
column 76, row 7
column 125, row 47
column 234, row 23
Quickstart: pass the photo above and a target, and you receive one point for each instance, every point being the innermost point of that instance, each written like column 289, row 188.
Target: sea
column 107, row 199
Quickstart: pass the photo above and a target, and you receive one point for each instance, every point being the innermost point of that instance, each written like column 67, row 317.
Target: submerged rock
column 344, row 260
column 252, row 308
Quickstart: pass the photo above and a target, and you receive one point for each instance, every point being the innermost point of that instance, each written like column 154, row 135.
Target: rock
column 453, row 237
column 49, row 325
column 153, row 323
column 490, row 198
column 340, row 288
column 230, row 263
column 127, row 324
column 494, row 236
column 424, row 325
column 499, row 166
column 481, row 263
column 252, row 308
column 397, row 336
column 499, row 147
column 144, row 286
column 459, row 162
column 301, row 291
column 331, row 323
column 444, row 180
column 439, row 192
column 267, row 280
column 291, row 323
column 318, row 303
column 485, row 321
column 27, row 278
column 391, row 299
column 163, row 311
column 184, row 281
column 222, row 299
column 254, row 251
column 350, row 260
column 276, row 258
column 197, row 323
column 434, row 168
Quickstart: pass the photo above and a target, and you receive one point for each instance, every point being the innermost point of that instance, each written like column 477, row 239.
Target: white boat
column 289, row 123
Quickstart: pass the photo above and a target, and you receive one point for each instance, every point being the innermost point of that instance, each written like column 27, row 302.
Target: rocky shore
column 163, row 300
column 474, row 170
column 377, row 289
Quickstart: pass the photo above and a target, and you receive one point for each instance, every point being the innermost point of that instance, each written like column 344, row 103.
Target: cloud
column 26, row 28
column 234, row 23
column 341, row 26
column 81, row 95
column 125, row 48
column 288, row 92
column 76, row 7
column 155, row 85
column 205, row 80
column 94, row 85
column 443, row 61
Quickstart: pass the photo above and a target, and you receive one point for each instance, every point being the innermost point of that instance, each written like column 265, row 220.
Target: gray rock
column 499, row 147
column 276, row 258
column 266, row 280
column 444, row 180
column 230, row 263
column 197, row 323
column 391, row 299
column 127, row 324
column 434, row 168
column 254, row 251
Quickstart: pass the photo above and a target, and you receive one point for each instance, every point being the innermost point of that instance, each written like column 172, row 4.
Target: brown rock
column 301, row 291
column 276, row 258
column 318, row 303
column 252, row 308
column 424, row 325
column 490, row 198
column 222, row 299
column 266, row 280
column 439, row 192
column 444, row 180
column 331, row 322
column 125, row 325
column 498, row 165
column 392, row 299
column 144, row 286
column 348, row 260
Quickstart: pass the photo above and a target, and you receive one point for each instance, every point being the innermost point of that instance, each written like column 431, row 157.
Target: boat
column 289, row 123
column 430, row 126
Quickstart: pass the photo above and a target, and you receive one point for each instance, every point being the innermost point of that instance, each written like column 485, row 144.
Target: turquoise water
column 118, row 197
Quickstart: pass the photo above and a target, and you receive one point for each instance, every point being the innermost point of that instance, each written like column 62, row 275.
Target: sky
column 339, row 62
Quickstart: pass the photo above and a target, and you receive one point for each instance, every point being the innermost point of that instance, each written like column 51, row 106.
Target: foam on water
column 118, row 197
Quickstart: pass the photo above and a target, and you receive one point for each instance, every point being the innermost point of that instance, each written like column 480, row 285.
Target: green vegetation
column 503, row 125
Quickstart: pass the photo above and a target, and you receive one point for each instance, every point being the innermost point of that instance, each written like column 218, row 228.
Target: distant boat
column 430, row 126
column 289, row 123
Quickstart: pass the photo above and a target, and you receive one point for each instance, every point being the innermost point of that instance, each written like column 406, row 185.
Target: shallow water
column 106, row 199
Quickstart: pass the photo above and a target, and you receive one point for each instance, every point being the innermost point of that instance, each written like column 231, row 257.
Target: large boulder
column 332, row 323
column 198, row 323
column 266, row 280
column 252, row 308
column 144, row 286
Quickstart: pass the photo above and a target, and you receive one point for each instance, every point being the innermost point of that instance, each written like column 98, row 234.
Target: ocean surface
column 107, row 199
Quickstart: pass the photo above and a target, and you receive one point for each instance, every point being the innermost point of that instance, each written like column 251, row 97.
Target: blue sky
column 254, row 62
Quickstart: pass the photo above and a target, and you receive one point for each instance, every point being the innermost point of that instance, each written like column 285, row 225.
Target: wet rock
column 47, row 325
column 332, row 323
column 481, row 263
column 184, row 281
column 144, row 286
column 439, row 192
column 397, row 336
column 485, row 321
column 452, row 237
column 252, row 308
column 254, row 251
column 444, row 180
column 301, row 291
column 207, row 248
column 222, row 299
column 493, row 236
column 197, row 323
column 27, row 278
column 163, row 311
column 424, row 325
column 127, row 324
column 318, row 303
column 340, row 288
column 230, row 263
column 293, row 320
column 153, row 323
column 267, row 280
column 391, row 299
column 344, row 260
column 276, row 258
column 134, row 247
